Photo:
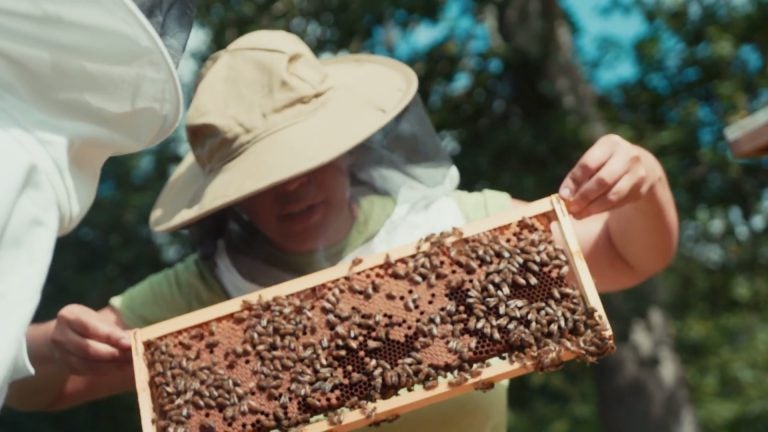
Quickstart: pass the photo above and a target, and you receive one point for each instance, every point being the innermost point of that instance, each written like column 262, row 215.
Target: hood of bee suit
column 265, row 110
column 172, row 21
column 97, row 82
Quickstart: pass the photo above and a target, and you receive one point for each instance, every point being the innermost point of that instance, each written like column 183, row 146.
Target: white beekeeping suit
column 80, row 81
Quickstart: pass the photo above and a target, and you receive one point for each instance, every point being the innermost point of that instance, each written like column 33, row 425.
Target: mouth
column 303, row 214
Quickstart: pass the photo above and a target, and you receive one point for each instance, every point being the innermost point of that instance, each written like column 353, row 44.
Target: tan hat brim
column 369, row 92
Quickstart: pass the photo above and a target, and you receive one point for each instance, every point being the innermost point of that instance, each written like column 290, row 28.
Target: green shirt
column 191, row 285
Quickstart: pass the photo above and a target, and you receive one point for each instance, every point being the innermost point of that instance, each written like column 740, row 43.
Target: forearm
column 40, row 391
column 53, row 389
column 645, row 232
column 73, row 368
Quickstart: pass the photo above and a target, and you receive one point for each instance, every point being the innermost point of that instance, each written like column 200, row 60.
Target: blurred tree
column 500, row 79
column 642, row 387
column 702, row 65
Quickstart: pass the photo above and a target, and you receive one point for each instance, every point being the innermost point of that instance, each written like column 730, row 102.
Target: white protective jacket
column 80, row 81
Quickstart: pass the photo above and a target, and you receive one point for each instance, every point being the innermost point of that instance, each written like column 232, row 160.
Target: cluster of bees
column 438, row 315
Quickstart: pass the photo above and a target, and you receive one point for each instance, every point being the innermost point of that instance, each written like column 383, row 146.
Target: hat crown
column 260, row 83
column 266, row 110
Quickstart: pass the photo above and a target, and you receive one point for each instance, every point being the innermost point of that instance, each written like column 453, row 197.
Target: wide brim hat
column 266, row 110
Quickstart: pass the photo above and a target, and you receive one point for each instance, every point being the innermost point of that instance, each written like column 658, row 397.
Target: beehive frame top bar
column 403, row 402
column 544, row 205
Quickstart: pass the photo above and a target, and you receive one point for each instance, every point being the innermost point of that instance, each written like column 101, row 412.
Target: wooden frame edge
column 418, row 398
column 581, row 270
column 141, row 376
column 409, row 401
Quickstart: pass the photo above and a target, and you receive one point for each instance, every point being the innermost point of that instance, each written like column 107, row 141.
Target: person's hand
column 612, row 173
column 86, row 343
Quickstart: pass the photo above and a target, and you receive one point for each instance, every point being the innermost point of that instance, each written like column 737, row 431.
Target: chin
column 302, row 243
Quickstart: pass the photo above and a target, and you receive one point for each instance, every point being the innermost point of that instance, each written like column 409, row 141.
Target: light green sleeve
column 187, row 286
column 477, row 205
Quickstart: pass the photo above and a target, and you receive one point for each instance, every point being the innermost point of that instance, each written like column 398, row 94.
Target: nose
column 296, row 183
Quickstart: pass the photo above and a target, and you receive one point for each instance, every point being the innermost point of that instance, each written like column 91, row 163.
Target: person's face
column 306, row 212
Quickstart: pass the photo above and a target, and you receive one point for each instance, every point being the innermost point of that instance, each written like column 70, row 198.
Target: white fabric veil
column 405, row 160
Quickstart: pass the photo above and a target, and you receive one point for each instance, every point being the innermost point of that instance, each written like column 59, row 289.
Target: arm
column 80, row 356
column 626, row 217
column 84, row 354
column 29, row 222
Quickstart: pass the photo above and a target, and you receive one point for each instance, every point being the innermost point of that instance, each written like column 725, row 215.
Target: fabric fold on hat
column 266, row 110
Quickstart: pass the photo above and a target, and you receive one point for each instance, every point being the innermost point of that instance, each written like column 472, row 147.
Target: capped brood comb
column 366, row 341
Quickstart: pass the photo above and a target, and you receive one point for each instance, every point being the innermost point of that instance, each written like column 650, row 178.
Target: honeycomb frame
column 551, row 210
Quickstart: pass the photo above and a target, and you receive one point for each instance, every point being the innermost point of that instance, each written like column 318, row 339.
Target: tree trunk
column 642, row 386
column 540, row 30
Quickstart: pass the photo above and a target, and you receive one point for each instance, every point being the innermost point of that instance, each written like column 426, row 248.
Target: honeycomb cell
column 441, row 312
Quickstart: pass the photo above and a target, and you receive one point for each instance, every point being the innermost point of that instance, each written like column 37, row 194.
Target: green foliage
column 563, row 401
column 703, row 66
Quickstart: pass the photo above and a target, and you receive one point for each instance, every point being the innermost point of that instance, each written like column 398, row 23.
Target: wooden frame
column 403, row 402
column 748, row 137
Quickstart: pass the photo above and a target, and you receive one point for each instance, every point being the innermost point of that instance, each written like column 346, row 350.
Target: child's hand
column 87, row 343
column 612, row 173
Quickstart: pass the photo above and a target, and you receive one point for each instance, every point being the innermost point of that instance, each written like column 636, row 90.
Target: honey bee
column 398, row 272
column 459, row 380
column 332, row 320
column 284, row 401
column 369, row 412
column 206, row 426
column 376, row 286
column 470, row 267
column 376, row 384
column 335, row 418
column 484, row 386
column 372, row 344
column 327, row 306
column 251, row 406
column 278, row 415
column 229, row 413
column 368, row 293
column 415, row 278
column 268, row 424
column 356, row 378
column 354, row 263
column 532, row 267
column 341, row 332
